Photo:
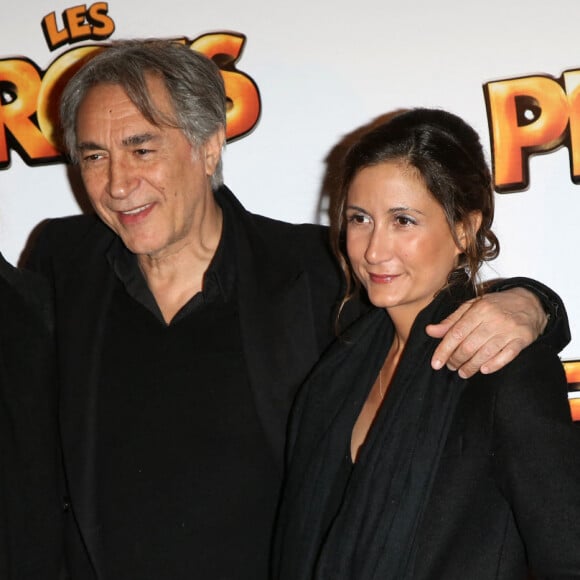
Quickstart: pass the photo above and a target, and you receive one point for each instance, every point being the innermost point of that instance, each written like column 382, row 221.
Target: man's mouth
column 136, row 210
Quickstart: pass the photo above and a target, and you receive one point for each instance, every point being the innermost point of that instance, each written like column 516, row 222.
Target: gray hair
column 193, row 81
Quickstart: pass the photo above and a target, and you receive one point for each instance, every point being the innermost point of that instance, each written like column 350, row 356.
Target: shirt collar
column 219, row 279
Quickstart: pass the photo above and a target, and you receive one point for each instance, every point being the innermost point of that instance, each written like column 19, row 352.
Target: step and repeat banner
column 301, row 78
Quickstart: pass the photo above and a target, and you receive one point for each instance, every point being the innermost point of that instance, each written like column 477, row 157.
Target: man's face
column 148, row 184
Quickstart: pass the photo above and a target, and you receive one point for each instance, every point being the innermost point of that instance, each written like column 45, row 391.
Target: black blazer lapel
column 277, row 327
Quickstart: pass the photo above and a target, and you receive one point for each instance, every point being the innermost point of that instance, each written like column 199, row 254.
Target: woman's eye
column 358, row 218
column 404, row 220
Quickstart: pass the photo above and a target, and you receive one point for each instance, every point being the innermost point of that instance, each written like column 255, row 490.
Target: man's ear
column 212, row 150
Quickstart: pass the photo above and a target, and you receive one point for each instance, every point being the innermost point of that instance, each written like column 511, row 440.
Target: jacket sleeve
column 557, row 332
column 31, row 480
column 536, row 451
column 38, row 254
column 57, row 245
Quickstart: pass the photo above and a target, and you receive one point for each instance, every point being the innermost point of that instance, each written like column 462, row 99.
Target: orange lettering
column 75, row 21
column 242, row 93
column 572, row 84
column 53, row 36
column 527, row 115
column 22, row 81
column 29, row 101
column 102, row 24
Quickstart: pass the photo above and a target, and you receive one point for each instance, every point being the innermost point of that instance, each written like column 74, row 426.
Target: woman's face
column 398, row 240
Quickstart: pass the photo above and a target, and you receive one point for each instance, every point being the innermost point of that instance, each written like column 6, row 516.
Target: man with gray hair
column 185, row 326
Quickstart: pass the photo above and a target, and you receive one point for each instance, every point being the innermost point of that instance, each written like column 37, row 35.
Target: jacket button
column 65, row 504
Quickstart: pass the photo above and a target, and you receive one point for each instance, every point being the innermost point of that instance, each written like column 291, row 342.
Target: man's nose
column 122, row 179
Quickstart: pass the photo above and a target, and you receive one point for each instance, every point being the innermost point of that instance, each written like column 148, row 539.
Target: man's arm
column 486, row 333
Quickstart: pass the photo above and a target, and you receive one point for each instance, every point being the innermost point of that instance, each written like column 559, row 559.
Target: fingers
column 506, row 355
column 488, row 358
column 454, row 332
column 440, row 329
column 482, row 335
column 468, row 351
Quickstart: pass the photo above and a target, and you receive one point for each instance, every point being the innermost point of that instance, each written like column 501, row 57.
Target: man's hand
column 486, row 333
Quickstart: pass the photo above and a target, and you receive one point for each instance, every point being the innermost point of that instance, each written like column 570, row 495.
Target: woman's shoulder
column 530, row 389
column 535, row 365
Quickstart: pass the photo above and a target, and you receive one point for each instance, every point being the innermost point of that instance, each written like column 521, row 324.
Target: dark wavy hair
column 447, row 154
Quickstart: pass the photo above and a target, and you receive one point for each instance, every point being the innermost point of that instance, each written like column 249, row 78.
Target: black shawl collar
column 366, row 528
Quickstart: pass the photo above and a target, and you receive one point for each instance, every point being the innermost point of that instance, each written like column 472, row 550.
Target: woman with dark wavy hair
column 396, row 470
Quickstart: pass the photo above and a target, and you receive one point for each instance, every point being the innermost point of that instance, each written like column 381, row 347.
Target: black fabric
column 162, row 500
column 285, row 294
column 287, row 291
column 181, row 463
column 370, row 533
column 503, row 501
column 30, row 478
column 505, row 504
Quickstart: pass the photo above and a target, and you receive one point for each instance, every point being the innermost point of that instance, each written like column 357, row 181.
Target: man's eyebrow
column 130, row 141
column 133, row 140
column 89, row 146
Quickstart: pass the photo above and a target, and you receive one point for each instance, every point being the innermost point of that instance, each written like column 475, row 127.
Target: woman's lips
column 383, row 278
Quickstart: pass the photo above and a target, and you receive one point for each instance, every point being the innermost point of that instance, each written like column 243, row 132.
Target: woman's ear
column 466, row 231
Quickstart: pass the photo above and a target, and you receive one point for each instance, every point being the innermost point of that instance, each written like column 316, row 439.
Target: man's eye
column 92, row 157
